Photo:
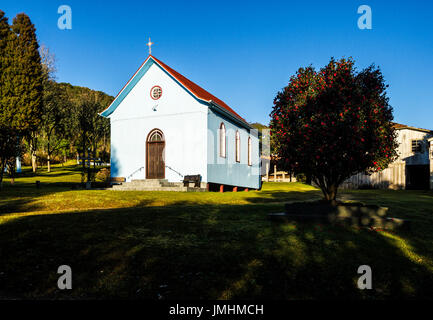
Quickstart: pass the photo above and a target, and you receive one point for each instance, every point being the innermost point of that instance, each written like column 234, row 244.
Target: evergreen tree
column 27, row 84
column 5, row 67
column 23, row 99
column 4, row 33
column 8, row 141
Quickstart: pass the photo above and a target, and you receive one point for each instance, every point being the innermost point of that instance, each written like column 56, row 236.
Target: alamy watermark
column 65, row 20
column 365, row 281
column 65, row 280
column 366, row 20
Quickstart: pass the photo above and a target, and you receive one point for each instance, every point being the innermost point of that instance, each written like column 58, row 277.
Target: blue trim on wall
column 228, row 115
column 128, row 88
column 135, row 80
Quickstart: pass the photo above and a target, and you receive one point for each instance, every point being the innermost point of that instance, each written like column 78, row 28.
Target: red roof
column 198, row 91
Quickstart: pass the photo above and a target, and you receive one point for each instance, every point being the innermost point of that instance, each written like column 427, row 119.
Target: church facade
column 164, row 126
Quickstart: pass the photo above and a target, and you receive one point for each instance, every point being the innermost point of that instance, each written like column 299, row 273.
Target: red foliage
column 334, row 123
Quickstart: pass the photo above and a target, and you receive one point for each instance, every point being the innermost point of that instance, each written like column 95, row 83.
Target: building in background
column 413, row 169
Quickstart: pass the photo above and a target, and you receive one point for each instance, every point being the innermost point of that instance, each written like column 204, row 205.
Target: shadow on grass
column 200, row 251
column 56, row 171
column 265, row 196
column 24, row 197
column 24, row 194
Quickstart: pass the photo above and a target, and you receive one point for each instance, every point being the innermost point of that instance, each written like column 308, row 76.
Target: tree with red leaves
column 334, row 123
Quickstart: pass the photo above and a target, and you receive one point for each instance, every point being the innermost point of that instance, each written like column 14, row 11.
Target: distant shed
column 413, row 169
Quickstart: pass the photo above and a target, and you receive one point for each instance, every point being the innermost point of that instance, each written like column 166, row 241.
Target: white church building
column 164, row 126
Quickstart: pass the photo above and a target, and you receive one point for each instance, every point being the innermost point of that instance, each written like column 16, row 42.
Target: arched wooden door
column 155, row 163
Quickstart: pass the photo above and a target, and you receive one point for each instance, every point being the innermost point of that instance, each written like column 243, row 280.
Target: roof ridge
column 196, row 89
column 192, row 87
column 397, row 125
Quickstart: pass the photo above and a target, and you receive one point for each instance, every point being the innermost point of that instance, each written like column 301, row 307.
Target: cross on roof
column 149, row 44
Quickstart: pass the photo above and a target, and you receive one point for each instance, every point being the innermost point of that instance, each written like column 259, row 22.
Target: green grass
column 202, row 245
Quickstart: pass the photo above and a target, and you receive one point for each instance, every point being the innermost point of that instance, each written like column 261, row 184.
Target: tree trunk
column 2, row 170
column 48, row 156
column 11, row 169
column 83, row 161
column 33, row 153
column 48, row 163
column 331, row 194
column 34, row 164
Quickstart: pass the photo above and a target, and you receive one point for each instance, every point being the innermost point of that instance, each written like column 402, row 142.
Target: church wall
column 181, row 118
column 226, row 170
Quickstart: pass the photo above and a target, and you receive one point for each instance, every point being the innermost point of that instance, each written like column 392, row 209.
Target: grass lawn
column 162, row 245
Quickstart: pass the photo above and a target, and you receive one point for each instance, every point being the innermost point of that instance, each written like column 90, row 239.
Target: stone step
column 149, row 182
column 172, row 185
column 135, row 188
column 154, row 182
column 155, row 185
column 145, row 185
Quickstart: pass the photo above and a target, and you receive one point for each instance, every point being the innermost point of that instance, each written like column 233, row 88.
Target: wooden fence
column 393, row 177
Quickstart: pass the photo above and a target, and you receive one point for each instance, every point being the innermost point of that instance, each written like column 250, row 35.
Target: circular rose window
column 156, row 92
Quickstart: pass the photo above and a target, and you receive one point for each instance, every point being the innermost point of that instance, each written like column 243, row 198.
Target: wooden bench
column 117, row 180
column 192, row 178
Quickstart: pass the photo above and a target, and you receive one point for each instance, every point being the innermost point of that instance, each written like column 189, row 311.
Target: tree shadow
column 25, row 197
column 201, row 252
column 265, row 196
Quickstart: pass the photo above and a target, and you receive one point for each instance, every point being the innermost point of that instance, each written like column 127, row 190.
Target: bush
column 300, row 177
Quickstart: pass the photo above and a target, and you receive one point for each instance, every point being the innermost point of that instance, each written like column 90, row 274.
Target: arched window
column 222, row 140
column 249, row 151
column 155, row 136
column 238, row 147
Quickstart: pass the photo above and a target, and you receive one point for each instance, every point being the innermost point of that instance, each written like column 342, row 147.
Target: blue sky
column 243, row 52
